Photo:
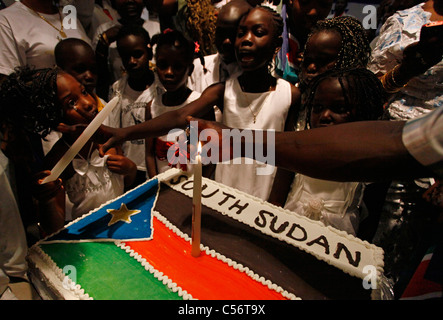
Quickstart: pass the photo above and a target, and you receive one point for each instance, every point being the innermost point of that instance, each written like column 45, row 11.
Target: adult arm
column 357, row 151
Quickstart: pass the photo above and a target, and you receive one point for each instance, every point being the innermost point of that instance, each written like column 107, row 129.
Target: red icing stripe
column 205, row 277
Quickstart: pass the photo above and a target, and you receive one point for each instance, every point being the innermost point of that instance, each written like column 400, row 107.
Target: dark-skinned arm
column 162, row 124
column 357, row 151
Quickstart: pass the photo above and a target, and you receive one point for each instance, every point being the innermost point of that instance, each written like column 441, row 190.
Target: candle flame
column 199, row 147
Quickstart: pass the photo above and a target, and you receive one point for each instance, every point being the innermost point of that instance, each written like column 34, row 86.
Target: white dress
column 163, row 143
column 92, row 185
column 271, row 110
column 333, row 203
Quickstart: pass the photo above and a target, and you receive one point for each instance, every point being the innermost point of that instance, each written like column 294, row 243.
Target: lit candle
column 81, row 141
column 197, row 205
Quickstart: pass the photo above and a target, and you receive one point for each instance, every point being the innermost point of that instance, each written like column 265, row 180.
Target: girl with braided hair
column 29, row 112
column 36, row 102
column 332, row 44
column 335, row 43
column 334, row 97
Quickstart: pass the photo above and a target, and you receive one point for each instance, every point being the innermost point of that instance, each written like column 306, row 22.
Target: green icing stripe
column 106, row 272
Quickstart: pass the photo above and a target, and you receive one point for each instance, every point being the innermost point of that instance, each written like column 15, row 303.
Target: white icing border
column 231, row 263
column 35, row 253
column 377, row 252
column 63, row 284
column 163, row 177
column 156, row 273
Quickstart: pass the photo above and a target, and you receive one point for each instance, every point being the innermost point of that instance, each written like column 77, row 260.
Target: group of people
column 336, row 103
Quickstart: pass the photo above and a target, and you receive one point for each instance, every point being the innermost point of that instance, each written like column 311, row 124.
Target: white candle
column 81, row 141
column 196, row 205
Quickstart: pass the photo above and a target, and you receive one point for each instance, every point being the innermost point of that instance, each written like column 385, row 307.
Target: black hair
column 278, row 23
column 134, row 30
column 176, row 39
column 28, row 99
column 355, row 50
column 361, row 89
column 64, row 46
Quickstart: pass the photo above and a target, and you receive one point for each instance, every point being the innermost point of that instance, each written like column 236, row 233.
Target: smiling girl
column 34, row 103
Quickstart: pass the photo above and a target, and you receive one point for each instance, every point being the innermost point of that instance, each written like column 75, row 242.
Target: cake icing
column 338, row 249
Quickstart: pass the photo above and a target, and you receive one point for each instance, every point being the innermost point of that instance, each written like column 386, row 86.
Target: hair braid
column 28, row 98
column 361, row 89
column 355, row 50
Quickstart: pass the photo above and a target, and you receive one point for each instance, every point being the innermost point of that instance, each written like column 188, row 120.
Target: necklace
column 62, row 33
column 248, row 102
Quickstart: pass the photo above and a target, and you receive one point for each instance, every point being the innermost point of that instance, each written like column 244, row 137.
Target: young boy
column 136, row 87
column 77, row 58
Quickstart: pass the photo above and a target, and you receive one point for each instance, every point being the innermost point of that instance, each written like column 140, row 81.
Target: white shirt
column 26, row 39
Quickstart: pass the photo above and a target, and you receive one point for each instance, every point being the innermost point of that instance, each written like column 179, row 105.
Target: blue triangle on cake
column 99, row 225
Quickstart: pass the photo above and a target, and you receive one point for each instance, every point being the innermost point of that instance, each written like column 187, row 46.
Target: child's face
column 128, row 9
column 329, row 105
column 173, row 68
column 81, row 64
column 320, row 55
column 78, row 105
column 135, row 55
column 255, row 42
column 226, row 30
column 304, row 14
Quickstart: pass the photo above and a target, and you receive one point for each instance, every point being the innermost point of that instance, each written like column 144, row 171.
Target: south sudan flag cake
column 138, row 246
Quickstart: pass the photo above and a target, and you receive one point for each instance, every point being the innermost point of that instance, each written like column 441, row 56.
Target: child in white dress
column 258, row 39
column 174, row 64
column 336, row 97
column 90, row 180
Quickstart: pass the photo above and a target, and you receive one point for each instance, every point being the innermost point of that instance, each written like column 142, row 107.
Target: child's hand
column 44, row 192
column 120, row 164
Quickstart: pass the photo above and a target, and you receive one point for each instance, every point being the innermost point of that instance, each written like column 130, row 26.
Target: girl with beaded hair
column 29, row 112
column 332, row 44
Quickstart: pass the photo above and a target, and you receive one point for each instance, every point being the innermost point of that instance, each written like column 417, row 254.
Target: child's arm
column 51, row 202
column 161, row 125
column 120, row 164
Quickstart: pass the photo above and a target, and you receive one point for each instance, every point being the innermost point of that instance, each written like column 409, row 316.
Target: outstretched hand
column 211, row 136
column 44, row 192
column 108, row 137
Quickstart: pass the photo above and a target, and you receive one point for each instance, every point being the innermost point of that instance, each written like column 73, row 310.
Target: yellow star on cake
column 122, row 214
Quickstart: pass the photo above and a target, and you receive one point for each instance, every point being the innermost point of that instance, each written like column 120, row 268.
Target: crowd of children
column 255, row 66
